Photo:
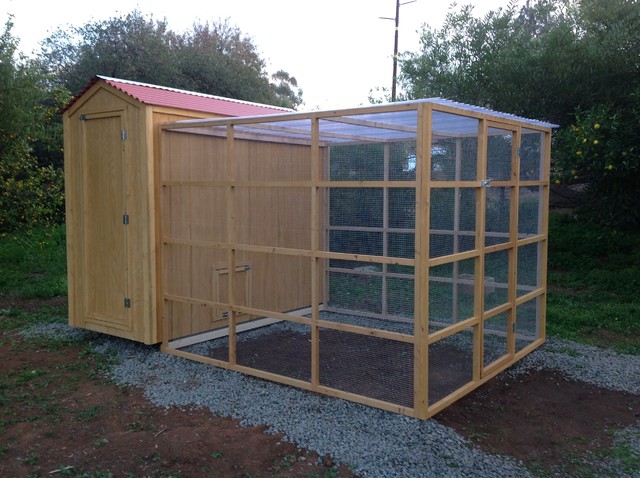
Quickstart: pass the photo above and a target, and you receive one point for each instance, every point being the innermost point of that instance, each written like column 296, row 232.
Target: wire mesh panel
column 369, row 366
column 450, row 364
column 528, row 276
column 401, row 203
column 498, row 215
column 531, row 155
column 496, row 279
column 359, row 162
column 499, row 154
column 269, row 288
column 400, row 296
column 283, row 349
column 402, row 160
column 527, row 323
column 355, row 291
column 530, row 211
column 451, row 293
column 371, row 221
column 454, row 147
column 495, row 338
column 452, row 221
column 356, row 207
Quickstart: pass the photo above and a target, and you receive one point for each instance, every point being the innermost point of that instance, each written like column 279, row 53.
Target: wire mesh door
column 499, row 258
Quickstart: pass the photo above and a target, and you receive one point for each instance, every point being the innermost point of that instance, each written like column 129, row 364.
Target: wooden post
column 456, row 228
column 232, row 239
column 316, row 262
column 385, row 227
column 421, row 301
column 513, row 239
column 478, row 286
column 544, row 224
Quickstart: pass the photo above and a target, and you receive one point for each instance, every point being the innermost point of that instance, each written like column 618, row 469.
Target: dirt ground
column 58, row 417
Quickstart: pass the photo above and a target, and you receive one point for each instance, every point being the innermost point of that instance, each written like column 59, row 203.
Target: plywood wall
column 211, row 203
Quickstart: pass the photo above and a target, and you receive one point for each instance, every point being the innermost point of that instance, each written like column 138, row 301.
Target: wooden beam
column 421, row 286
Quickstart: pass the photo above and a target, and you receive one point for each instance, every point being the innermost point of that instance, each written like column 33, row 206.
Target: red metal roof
column 189, row 100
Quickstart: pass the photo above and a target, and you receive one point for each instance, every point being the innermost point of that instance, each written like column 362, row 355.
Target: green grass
column 594, row 278
column 33, row 264
column 13, row 319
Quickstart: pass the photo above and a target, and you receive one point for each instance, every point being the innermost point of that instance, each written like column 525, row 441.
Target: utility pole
column 396, row 19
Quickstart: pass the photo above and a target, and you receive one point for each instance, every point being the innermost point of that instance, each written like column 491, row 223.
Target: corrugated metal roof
column 156, row 95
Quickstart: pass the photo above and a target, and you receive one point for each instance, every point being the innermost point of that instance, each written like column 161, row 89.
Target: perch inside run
column 390, row 255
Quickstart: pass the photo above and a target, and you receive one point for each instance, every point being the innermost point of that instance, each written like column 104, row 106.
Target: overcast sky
column 338, row 50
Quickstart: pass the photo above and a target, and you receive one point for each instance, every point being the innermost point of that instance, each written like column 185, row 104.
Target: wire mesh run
column 342, row 251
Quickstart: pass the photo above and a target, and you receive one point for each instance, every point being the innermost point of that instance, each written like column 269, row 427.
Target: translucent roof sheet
column 367, row 124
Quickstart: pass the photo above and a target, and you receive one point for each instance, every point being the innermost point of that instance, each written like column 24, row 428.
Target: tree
column 601, row 151
column 542, row 60
column 31, row 186
column 214, row 58
column 566, row 61
column 286, row 89
column 217, row 59
column 131, row 47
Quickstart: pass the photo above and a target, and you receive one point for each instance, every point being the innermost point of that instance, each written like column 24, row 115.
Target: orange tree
column 601, row 150
column 31, row 182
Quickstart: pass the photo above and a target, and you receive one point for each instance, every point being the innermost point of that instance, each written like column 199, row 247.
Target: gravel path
column 377, row 444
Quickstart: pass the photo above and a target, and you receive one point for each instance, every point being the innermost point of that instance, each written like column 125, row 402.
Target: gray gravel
column 375, row 443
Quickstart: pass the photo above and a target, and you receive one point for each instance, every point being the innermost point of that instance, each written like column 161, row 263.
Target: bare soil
column 58, row 417
column 543, row 419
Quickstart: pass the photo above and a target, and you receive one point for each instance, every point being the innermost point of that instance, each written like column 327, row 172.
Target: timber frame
column 418, row 228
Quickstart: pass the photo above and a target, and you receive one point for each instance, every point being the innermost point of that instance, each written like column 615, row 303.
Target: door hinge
column 125, row 219
column 518, row 152
column 82, row 117
column 123, row 135
column 127, row 303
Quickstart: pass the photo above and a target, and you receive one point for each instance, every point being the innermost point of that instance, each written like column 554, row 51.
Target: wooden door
column 105, row 219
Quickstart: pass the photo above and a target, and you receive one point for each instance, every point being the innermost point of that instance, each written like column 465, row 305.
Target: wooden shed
column 392, row 255
column 111, row 152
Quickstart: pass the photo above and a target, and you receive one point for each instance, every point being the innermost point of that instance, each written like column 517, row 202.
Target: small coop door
column 242, row 293
column 106, row 299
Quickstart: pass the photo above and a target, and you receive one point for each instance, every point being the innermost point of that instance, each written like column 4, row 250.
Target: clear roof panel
column 367, row 124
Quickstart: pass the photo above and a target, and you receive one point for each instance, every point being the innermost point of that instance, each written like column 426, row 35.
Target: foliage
column 131, row 47
column 211, row 58
column 31, row 191
column 286, row 89
column 566, row 61
column 594, row 275
column 33, row 263
column 602, row 151
column 542, row 60
column 214, row 58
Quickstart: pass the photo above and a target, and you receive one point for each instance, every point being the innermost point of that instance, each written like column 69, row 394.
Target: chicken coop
column 391, row 255
column 111, row 138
